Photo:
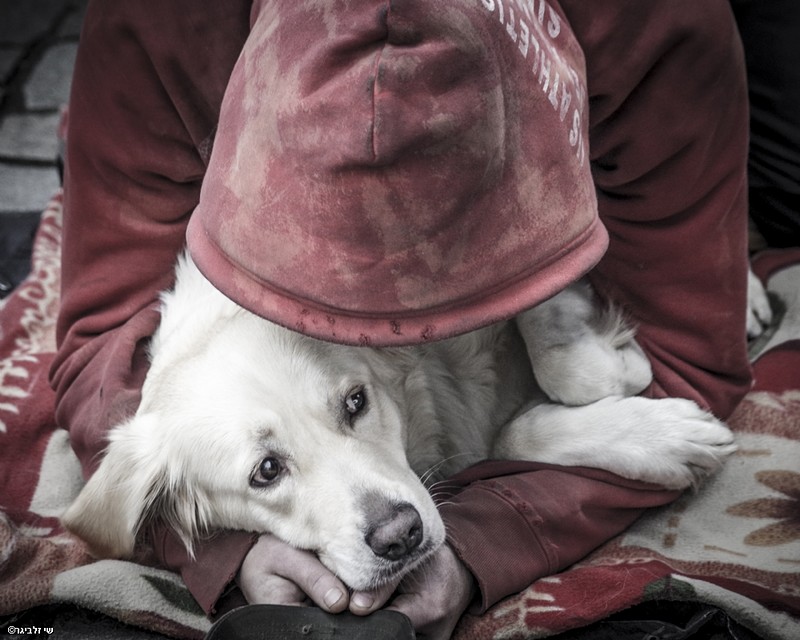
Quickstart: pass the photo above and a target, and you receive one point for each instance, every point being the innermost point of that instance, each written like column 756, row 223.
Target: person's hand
column 273, row 572
column 433, row 596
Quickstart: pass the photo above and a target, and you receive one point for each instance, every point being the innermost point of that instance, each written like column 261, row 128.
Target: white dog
column 246, row 425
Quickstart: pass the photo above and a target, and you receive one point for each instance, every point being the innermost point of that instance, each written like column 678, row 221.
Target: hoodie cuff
column 485, row 526
column 210, row 574
column 512, row 530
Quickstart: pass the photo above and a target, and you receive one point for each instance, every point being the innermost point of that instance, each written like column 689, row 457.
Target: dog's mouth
column 394, row 570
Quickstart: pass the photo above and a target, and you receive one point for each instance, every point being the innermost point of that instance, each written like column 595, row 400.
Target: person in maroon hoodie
column 308, row 145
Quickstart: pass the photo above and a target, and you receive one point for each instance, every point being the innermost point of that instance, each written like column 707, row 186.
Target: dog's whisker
column 430, row 472
column 426, row 475
column 443, row 485
column 420, row 574
column 442, row 498
column 433, row 469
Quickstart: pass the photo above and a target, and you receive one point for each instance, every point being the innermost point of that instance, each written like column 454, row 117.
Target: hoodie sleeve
column 668, row 144
column 548, row 517
column 141, row 117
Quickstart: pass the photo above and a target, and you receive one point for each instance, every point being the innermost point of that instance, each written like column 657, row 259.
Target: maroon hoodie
column 427, row 225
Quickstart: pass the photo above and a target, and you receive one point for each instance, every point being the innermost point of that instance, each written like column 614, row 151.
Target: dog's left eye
column 268, row 470
column 355, row 401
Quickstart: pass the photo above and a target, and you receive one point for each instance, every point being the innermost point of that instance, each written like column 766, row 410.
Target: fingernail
column 363, row 600
column 333, row 596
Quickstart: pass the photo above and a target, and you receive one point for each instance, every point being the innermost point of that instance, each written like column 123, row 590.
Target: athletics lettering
column 557, row 79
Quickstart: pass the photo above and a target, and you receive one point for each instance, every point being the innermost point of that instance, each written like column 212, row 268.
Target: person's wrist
column 468, row 584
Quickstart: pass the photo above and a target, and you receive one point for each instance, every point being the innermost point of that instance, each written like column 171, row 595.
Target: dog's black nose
column 396, row 532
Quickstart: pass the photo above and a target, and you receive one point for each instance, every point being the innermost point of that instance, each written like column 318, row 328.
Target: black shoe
column 275, row 622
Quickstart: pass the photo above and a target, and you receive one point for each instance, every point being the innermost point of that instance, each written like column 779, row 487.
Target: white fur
column 759, row 311
column 227, row 389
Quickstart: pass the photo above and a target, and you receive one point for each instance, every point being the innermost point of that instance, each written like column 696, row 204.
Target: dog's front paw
column 684, row 444
column 759, row 311
column 590, row 369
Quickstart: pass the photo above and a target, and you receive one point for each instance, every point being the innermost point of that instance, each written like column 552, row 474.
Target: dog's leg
column 670, row 442
column 579, row 353
column 759, row 311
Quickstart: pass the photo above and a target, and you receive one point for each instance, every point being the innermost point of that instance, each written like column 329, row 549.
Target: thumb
column 363, row 603
column 318, row 582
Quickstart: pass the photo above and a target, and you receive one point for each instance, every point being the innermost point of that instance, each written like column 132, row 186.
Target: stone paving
column 38, row 42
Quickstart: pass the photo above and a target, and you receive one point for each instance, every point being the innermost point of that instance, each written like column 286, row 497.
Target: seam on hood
column 375, row 76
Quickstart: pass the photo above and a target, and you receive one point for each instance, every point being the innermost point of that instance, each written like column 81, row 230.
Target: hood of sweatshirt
column 388, row 173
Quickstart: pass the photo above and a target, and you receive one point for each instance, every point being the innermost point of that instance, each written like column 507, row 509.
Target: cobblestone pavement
column 38, row 41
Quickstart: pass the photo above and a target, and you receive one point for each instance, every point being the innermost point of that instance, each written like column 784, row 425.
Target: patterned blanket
column 734, row 544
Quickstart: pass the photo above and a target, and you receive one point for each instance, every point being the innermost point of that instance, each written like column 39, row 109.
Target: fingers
column 435, row 595
column 274, row 572
column 272, row 589
column 363, row 603
column 321, row 586
column 428, row 624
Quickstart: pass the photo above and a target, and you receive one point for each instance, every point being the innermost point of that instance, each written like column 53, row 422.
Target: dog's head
column 245, row 425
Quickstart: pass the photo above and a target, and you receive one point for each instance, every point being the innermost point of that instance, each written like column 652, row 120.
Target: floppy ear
column 122, row 493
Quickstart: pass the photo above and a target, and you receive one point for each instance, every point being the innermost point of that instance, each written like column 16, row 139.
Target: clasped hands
column 433, row 596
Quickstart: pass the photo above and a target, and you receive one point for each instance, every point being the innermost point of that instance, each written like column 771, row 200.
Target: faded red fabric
column 521, row 506
column 667, row 147
column 374, row 157
column 145, row 98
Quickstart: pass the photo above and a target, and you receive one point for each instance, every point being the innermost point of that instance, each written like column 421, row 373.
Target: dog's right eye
column 267, row 471
column 355, row 401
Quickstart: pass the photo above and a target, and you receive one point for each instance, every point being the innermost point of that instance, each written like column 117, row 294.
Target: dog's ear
column 124, row 491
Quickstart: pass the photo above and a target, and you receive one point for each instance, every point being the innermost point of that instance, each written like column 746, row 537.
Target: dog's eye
column 355, row 401
column 267, row 472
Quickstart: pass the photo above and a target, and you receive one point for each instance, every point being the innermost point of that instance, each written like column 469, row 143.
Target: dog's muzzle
column 394, row 530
